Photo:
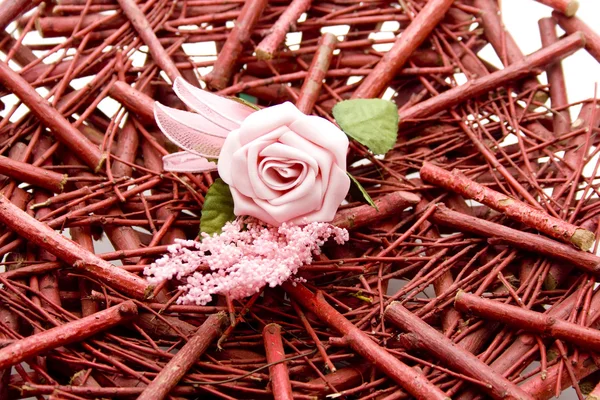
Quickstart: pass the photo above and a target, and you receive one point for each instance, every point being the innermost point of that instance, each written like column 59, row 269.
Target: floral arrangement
column 282, row 174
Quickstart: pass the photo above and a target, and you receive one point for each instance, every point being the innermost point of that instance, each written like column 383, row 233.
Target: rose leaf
column 217, row 209
column 366, row 196
column 246, row 100
column 371, row 122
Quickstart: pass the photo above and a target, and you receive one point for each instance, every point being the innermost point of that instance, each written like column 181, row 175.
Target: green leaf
column 371, row 122
column 246, row 100
column 366, row 196
column 217, row 209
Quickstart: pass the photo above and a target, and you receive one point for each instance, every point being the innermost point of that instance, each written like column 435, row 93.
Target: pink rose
column 281, row 165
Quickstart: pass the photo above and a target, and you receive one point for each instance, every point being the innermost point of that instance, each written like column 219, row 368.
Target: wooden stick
column 567, row 7
column 387, row 205
column 522, row 240
column 280, row 380
column 24, row 172
column 68, row 333
column 410, row 380
column 40, row 234
column 227, row 60
column 574, row 24
column 479, row 86
column 504, row 44
column 276, row 36
column 512, row 208
column 543, row 387
column 443, row 349
column 314, row 337
column 185, row 358
column 521, row 318
column 418, row 30
column 64, row 132
column 133, row 100
column 556, row 80
column 316, row 73
column 141, row 25
column 11, row 9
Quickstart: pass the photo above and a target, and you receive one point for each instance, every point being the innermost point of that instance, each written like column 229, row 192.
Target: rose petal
column 267, row 120
column 306, row 185
column 231, row 145
column 281, row 174
column 188, row 138
column 243, row 205
column 290, row 210
column 323, row 158
column 244, row 174
column 187, row 162
column 281, row 151
column 333, row 197
column 262, row 190
column 325, row 134
column 226, row 113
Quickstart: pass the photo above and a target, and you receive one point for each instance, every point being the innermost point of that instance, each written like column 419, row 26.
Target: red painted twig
column 494, row 80
column 280, row 380
column 269, row 45
column 63, row 248
column 185, row 358
column 520, row 318
column 413, row 382
column 224, row 66
column 512, row 208
column 418, row 30
column 316, row 73
column 71, row 332
column 49, row 116
column 443, row 349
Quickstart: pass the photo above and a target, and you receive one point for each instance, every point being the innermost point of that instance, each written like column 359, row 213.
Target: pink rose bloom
column 280, row 164
column 283, row 165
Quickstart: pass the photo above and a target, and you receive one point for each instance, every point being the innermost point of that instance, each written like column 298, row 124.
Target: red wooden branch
column 522, row 240
column 387, row 205
column 280, row 380
column 185, row 358
column 479, row 86
column 269, row 45
column 512, row 208
column 227, row 60
column 521, row 318
column 103, row 204
column 313, row 336
column 443, row 349
column 311, row 89
column 64, row 132
column 40, row 234
column 418, row 30
column 574, row 24
column 409, row 379
column 504, row 44
column 24, row 172
column 11, row 10
column 141, row 25
column 567, row 7
column 544, row 387
column 556, row 80
column 133, row 100
column 62, row 335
